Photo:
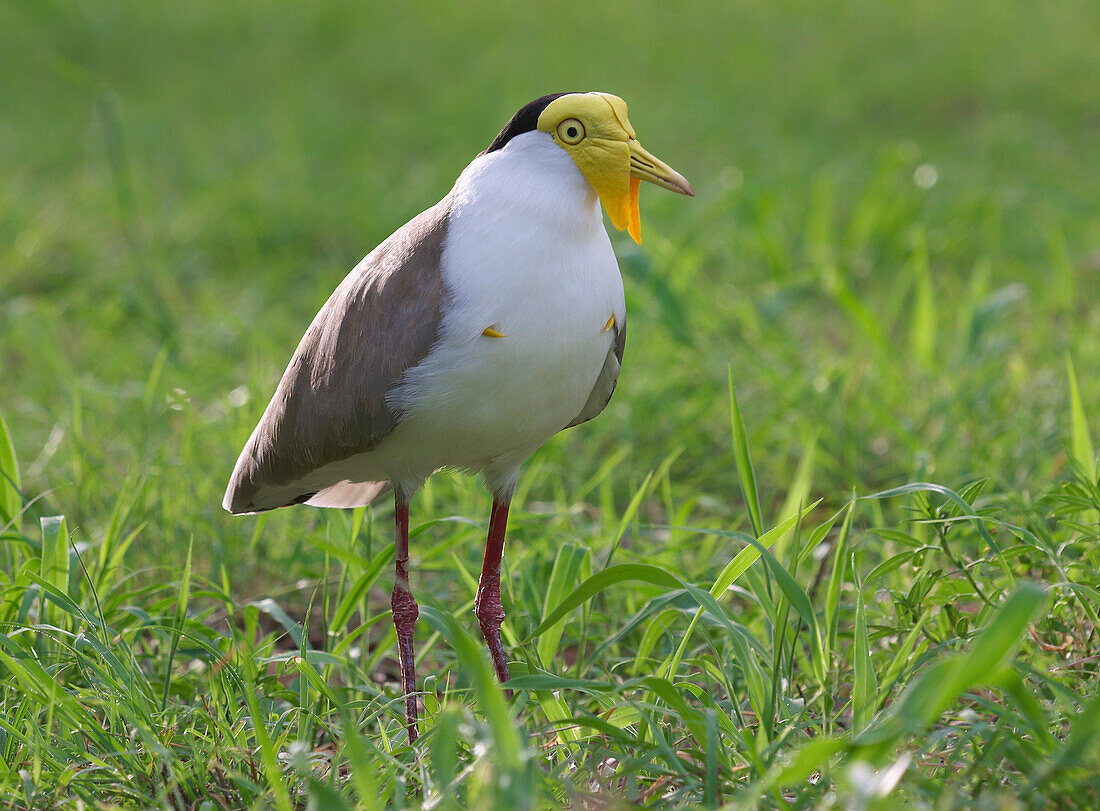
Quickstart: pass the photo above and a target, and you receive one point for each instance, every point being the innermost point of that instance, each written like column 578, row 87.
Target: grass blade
column 927, row 698
column 745, row 472
column 1083, row 452
column 613, row 575
column 567, row 566
column 836, row 579
column 11, row 501
column 864, row 685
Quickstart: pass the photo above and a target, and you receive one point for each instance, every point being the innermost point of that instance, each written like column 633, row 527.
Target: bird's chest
column 556, row 325
column 521, row 346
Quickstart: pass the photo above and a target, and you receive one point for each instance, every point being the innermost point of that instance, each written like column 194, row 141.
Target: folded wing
column 331, row 402
column 605, row 383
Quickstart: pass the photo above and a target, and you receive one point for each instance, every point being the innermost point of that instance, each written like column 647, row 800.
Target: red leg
column 405, row 612
column 487, row 607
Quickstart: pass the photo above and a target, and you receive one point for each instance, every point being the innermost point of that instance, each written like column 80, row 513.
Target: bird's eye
column 571, row 131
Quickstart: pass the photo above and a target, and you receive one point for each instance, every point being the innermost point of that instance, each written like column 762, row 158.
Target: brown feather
column 331, row 402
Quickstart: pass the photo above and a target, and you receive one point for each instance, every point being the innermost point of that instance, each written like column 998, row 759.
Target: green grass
column 835, row 541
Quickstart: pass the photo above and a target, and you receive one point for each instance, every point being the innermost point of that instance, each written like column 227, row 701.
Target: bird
column 473, row 334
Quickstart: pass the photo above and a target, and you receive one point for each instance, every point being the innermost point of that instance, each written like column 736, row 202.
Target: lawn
column 835, row 541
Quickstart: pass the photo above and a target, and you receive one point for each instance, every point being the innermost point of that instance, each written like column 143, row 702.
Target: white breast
column 527, row 255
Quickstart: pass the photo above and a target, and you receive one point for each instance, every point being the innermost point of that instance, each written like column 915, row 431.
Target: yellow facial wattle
column 594, row 129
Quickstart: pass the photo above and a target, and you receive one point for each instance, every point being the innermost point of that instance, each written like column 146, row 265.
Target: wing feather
column 331, row 402
column 605, row 383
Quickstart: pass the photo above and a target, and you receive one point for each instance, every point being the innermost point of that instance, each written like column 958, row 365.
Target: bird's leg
column 405, row 612
column 487, row 607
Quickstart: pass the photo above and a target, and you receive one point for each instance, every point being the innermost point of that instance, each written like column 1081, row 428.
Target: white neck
column 531, row 177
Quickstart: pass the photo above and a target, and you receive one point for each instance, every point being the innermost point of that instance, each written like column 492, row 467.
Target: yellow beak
column 620, row 198
column 644, row 165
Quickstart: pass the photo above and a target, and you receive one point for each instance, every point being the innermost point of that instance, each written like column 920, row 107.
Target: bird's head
column 594, row 129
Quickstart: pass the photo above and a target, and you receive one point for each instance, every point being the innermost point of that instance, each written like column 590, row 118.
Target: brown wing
column 605, row 383
column 331, row 402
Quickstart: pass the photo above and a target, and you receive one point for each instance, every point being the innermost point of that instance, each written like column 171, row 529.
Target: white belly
column 487, row 398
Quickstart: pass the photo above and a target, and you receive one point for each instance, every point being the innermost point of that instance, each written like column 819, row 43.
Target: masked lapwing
column 477, row 331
